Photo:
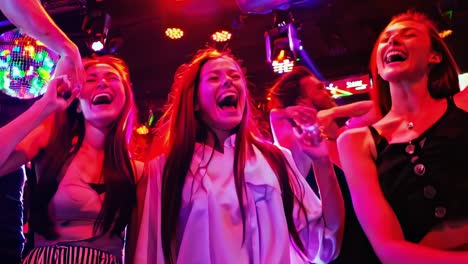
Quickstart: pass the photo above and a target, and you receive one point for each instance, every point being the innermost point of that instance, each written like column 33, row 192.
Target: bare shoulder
column 353, row 136
column 461, row 99
column 354, row 141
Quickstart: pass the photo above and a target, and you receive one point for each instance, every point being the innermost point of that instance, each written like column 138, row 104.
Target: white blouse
column 210, row 223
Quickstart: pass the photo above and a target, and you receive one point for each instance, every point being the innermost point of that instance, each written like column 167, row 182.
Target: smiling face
column 103, row 96
column 404, row 52
column 221, row 94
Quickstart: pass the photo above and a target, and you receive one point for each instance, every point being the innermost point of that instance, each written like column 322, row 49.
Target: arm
column 135, row 221
column 361, row 112
column 322, row 229
column 333, row 209
column 349, row 110
column 32, row 19
column 304, row 156
column 377, row 218
column 23, row 137
column 281, row 129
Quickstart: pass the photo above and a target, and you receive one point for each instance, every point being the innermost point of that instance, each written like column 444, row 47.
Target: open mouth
column 102, row 98
column 228, row 101
column 395, row 56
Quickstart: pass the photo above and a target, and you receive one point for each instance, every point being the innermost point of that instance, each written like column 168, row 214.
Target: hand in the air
column 60, row 93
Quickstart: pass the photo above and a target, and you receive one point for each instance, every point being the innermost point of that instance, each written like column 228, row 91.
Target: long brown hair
column 180, row 128
column 67, row 136
column 443, row 77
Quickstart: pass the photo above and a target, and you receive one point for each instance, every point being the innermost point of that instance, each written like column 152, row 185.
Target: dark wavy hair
column 180, row 128
column 66, row 138
column 443, row 77
column 287, row 88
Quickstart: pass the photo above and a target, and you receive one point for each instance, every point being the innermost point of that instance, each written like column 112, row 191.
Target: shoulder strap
column 451, row 101
column 380, row 142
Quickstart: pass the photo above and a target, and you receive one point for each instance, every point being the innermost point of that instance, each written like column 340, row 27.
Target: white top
column 210, row 222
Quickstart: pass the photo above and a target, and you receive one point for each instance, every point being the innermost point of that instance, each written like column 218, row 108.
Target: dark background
column 337, row 35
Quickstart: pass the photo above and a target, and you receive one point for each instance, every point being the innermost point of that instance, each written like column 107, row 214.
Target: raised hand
column 327, row 124
column 70, row 64
column 60, row 93
column 307, row 131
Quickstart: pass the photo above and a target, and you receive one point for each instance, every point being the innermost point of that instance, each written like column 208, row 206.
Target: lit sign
column 349, row 86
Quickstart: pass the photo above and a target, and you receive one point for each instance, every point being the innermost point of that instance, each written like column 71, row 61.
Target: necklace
column 410, row 125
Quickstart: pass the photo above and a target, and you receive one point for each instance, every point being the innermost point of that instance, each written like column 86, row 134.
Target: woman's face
column 221, row 94
column 314, row 93
column 103, row 96
column 404, row 52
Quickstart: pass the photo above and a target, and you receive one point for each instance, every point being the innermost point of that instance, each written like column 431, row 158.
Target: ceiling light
column 221, row 36
column 174, row 33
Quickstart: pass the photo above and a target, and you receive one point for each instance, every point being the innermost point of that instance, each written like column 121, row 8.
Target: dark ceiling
column 337, row 34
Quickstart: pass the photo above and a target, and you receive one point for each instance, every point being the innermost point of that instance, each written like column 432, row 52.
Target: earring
column 78, row 109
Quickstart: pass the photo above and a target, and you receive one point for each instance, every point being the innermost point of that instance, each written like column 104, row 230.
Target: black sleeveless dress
column 425, row 181
column 355, row 247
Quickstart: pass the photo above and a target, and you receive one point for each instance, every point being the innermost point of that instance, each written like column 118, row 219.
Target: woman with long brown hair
column 218, row 193
column 85, row 190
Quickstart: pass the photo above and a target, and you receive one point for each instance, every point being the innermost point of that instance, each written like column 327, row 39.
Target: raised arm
column 355, row 109
column 23, row 137
column 377, row 218
column 361, row 113
column 281, row 128
column 316, row 156
column 322, row 229
column 32, row 19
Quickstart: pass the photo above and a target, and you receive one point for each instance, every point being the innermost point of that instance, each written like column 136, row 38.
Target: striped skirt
column 69, row 255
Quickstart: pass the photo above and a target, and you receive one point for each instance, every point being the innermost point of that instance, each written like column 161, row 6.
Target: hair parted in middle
column 180, row 128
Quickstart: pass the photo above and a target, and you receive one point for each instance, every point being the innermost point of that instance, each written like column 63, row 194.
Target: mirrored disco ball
column 26, row 65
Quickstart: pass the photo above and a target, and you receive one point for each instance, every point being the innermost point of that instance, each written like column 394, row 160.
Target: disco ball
column 26, row 65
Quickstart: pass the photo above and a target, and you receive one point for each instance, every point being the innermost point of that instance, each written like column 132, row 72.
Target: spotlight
column 142, row 130
column 282, row 43
column 97, row 45
column 96, row 27
column 282, row 63
column 174, row 33
column 221, row 36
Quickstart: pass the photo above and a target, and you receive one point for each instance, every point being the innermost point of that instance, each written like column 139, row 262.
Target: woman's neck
column 410, row 97
column 216, row 138
column 95, row 137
